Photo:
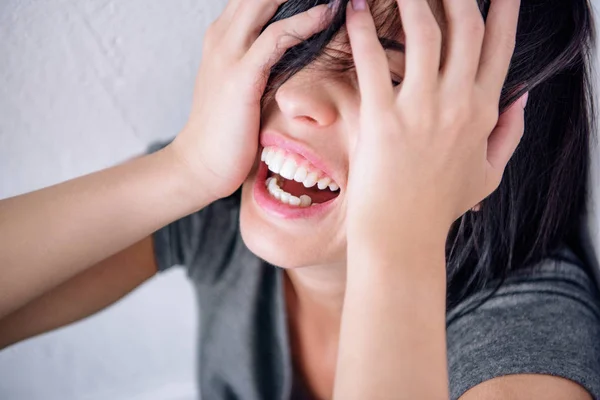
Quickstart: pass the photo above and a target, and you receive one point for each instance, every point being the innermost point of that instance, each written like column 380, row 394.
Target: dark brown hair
column 539, row 205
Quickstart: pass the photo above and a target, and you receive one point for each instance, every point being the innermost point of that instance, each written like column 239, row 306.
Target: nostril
column 308, row 119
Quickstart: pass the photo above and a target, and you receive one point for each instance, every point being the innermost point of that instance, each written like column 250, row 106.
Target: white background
column 85, row 84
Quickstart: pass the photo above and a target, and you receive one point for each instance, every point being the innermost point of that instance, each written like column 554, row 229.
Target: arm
column 414, row 354
column 534, row 337
column 53, row 234
column 83, row 295
column 427, row 151
column 548, row 333
column 393, row 322
column 525, row 387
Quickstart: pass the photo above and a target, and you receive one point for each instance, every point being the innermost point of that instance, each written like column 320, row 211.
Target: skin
column 438, row 112
column 330, row 299
column 339, row 310
column 139, row 197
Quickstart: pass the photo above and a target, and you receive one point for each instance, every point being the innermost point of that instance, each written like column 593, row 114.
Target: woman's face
column 309, row 132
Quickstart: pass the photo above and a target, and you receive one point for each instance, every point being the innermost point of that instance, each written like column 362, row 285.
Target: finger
column 498, row 44
column 465, row 38
column 228, row 13
column 281, row 35
column 423, row 46
column 370, row 59
column 248, row 21
column 505, row 138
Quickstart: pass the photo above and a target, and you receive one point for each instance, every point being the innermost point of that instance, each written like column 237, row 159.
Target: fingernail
column 359, row 5
column 524, row 99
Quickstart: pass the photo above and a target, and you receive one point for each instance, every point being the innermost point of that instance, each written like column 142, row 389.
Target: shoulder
column 204, row 242
column 541, row 327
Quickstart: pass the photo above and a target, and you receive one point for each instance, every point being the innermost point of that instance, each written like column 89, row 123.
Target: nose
column 307, row 102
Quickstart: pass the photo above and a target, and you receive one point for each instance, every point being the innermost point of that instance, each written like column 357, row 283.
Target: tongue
column 297, row 189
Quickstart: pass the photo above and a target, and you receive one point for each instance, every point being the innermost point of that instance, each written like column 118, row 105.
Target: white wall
column 85, row 84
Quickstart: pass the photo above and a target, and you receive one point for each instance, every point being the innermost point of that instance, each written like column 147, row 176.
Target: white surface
column 85, row 84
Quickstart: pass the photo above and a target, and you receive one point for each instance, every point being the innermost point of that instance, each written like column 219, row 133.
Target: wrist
column 398, row 231
column 410, row 253
column 191, row 184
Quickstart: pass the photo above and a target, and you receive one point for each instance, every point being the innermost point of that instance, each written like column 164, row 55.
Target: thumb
column 505, row 137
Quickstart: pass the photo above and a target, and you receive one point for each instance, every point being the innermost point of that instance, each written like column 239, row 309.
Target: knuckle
column 475, row 27
column 273, row 34
column 282, row 43
column 279, row 34
column 277, row 40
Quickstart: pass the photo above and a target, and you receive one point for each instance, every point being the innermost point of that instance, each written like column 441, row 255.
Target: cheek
column 289, row 244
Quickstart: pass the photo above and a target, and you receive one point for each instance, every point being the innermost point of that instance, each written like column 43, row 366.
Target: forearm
column 392, row 340
column 52, row 234
column 81, row 296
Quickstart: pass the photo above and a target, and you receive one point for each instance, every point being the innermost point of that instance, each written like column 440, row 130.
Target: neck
column 317, row 293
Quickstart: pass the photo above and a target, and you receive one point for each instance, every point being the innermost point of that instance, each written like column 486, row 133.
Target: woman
column 415, row 260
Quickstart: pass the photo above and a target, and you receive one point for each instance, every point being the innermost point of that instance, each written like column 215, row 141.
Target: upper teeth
column 283, row 164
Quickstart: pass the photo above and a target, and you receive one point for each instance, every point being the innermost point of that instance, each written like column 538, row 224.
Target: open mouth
column 293, row 180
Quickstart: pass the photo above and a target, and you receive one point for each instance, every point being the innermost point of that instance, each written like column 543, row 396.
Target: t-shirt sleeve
column 202, row 242
column 546, row 321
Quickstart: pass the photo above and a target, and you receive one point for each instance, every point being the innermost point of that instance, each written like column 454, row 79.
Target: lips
column 292, row 182
column 293, row 167
column 270, row 138
column 275, row 207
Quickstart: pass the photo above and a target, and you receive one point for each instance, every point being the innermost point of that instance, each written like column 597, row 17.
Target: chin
column 289, row 243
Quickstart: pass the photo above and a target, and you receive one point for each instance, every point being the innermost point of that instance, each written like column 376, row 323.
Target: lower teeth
column 285, row 197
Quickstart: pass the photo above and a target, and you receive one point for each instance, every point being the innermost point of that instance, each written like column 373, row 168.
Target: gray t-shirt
column 541, row 322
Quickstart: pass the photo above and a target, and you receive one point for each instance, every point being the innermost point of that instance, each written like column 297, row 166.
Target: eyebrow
column 391, row 44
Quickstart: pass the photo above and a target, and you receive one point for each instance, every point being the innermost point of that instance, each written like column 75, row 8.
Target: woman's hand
column 219, row 143
column 432, row 148
column 426, row 153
